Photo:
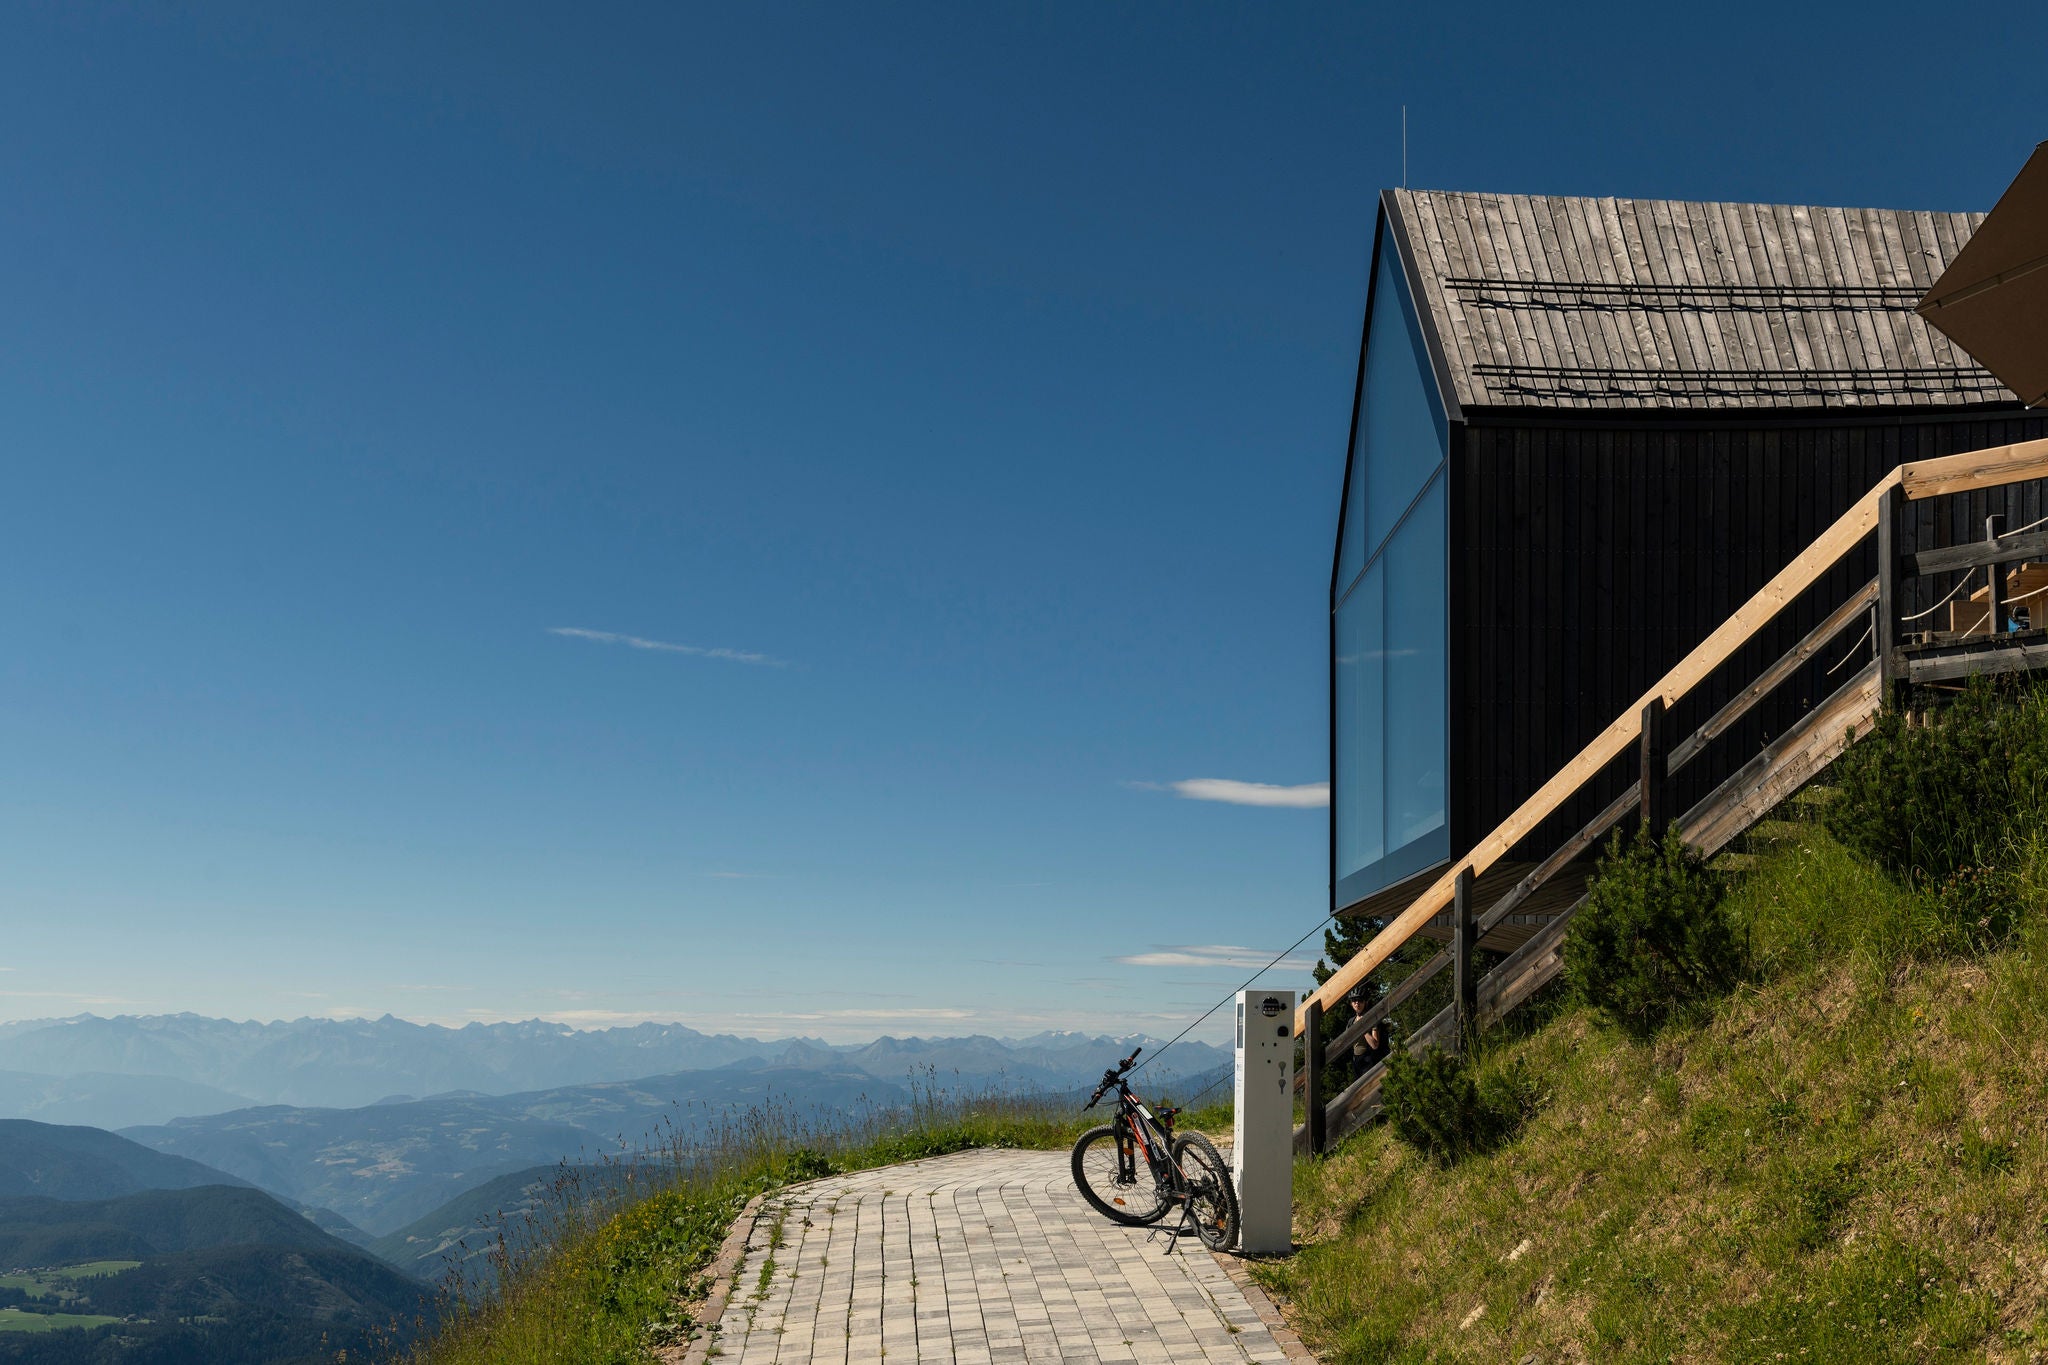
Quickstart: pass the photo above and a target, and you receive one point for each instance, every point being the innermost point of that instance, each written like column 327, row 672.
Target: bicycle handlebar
column 1110, row 1078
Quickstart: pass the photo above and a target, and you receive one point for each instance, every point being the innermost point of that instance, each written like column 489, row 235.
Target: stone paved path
column 978, row 1258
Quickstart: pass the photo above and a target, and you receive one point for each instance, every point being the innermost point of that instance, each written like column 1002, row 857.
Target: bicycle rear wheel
column 1119, row 1185
column 1211, row 1195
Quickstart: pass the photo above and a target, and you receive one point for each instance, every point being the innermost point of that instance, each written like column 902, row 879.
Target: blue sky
column 956, row 395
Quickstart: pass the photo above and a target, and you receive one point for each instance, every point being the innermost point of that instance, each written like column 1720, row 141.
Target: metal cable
column 1226, row 999
column 1189, row 1102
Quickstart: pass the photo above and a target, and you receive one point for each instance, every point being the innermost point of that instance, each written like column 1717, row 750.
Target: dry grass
column 1849, row 1161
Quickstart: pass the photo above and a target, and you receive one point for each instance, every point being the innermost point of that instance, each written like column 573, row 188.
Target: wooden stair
column 1476, row 898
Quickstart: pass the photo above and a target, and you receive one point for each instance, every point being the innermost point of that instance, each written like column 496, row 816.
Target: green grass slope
column 1847, row 1161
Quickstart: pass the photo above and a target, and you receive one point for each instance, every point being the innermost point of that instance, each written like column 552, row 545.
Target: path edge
column 731, row 1252
column 1262, row 1304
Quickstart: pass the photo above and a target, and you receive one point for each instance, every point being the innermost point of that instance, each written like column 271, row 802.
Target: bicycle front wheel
column 1115, row 1178
column 1211, row 1195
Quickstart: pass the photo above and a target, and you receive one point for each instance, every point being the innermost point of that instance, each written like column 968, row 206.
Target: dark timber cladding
column 1653, row 406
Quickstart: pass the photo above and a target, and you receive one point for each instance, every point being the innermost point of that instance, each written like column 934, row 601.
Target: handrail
column 1920, row 479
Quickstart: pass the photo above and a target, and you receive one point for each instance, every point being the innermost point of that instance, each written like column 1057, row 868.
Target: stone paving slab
column 983, row 1258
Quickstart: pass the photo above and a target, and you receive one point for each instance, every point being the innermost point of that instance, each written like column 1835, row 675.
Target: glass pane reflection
column 1360, row 723
column 1401, row 435
column 1417, row 671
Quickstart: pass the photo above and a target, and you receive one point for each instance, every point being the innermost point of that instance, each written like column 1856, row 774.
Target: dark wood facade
column 1589, row 552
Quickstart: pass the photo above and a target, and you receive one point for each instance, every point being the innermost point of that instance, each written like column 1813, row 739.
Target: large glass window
column 1360, row 722
column 1399, row 437
column 1417, row 670
column 1391, row 681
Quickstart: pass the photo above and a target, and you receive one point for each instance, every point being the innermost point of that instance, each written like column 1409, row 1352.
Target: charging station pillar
column 1262, row 1155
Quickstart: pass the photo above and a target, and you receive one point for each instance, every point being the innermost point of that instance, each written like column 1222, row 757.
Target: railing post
column 1996, row 573
column 1464, row 938
column 1655, row 811
column 1891, row 520
column 1318, row 1116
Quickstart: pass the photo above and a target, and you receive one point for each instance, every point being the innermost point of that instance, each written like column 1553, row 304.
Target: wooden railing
column 1734, row 805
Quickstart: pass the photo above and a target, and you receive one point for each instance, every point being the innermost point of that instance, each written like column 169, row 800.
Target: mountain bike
column 1135, row 1169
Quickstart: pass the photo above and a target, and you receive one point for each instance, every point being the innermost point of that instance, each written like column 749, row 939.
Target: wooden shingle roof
column 1554, row 302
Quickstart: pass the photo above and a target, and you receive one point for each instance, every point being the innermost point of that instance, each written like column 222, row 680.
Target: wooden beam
column 1527, row 970
column 1352, row 1108
column 1891, row 519
column 1996, row 585
column 1652, row 769
column 1312, row 1076
column 1773, row 677
column 1977, row 553
column 1785, row 764
column 1975, row 469
column 1463, row 940
column 1986, row 660
column 1571, row 848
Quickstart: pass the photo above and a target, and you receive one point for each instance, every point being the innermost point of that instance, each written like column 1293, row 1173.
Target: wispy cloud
column 603, row 1018
column 1231, row 955
column 606, row 637
column 1307, row 796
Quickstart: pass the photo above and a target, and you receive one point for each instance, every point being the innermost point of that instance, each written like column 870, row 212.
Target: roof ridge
column 1618, row 199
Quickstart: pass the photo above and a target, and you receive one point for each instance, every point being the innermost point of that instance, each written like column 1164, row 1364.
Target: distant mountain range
column 137, row 1069
column 103, row 1100
column 383, row 1166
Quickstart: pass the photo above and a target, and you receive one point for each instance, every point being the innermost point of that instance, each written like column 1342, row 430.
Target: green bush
column 1436, row 1105
column 1652, row 942
column 807, row 1164
column 1926, row 801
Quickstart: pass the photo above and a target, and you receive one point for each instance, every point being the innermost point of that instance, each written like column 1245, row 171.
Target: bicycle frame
column 1139, row 1130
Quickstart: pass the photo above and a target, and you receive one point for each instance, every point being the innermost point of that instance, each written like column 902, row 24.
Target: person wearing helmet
column 1371, row 1048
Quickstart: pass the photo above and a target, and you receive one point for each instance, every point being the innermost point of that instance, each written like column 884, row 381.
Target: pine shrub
column 1928, row 801
column 1436, row 1105
column 1653, row 941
